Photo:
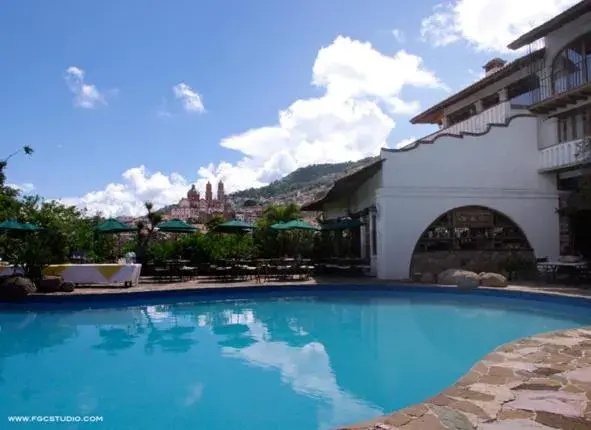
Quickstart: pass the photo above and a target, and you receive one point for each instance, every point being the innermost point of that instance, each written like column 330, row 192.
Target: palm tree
column 145, row 232
column 278, row 213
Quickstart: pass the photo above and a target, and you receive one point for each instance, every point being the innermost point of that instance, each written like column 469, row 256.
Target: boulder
column 16, row 288
column 67, row 287
column 428, row 278
column 494, row 280
column 50, row 284
column 447, row 277
column 466, row 279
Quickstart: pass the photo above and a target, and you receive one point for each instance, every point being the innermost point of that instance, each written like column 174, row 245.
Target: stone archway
column 475, row 238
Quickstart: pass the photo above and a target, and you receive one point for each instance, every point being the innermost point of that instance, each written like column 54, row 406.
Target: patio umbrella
column 296, row 224
column 176, row 225
column 14, row 225
column 233, row 226
column 113, row 226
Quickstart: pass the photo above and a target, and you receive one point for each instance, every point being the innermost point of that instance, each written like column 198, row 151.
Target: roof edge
column 478, row 85
column 551, row 25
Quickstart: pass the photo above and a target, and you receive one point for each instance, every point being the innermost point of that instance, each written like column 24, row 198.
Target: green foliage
column 214, row 222
column 65, row 231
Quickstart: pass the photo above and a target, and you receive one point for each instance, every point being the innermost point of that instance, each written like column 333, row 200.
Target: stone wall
column 476, row 261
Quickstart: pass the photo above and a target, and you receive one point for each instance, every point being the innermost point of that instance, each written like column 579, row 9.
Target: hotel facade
column 495, row 181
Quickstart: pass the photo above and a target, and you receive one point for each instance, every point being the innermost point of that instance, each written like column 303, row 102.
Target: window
column 472, row 228
column 562, row 130
column 490, row 101
column 570, row 68
column 574, row 124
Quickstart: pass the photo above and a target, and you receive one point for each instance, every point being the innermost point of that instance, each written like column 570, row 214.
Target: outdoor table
column 552, row 267
column 90, row 274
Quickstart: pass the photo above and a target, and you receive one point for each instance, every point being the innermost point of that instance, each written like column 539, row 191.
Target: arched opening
column 474, row 238
column 571, row 68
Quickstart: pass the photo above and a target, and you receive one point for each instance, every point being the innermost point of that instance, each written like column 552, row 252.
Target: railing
column 478, row 123
column 562, row 81
column 563, row 155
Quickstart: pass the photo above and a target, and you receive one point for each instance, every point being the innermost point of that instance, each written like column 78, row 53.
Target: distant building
column 194, row 208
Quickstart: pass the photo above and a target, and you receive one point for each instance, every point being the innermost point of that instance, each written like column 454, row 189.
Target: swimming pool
column 280, row 358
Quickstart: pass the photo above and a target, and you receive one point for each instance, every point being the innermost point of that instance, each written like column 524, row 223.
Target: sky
column 132, row 101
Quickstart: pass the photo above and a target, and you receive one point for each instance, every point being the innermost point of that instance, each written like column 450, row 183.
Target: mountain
column 301, row 186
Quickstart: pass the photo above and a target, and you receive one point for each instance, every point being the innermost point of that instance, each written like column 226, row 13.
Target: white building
column 485, row 187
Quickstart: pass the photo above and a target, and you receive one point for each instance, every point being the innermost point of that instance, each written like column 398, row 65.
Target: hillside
column 302, row 185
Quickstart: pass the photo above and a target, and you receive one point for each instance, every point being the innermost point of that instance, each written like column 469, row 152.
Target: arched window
column 571, row 68
column 472, row 228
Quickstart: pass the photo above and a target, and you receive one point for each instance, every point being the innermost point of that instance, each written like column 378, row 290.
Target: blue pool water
column 263, row 362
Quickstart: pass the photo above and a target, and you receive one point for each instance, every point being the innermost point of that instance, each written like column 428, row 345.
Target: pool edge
column 498, row 390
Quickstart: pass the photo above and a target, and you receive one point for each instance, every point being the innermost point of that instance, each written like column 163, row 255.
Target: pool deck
column 536, row 383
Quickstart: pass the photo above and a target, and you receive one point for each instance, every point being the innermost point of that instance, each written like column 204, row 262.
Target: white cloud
column 25, row 188
column 399, row 35
column 86, row 96
column 190, row 99
column 127, row 198
column 487, row 25
column 352, row 119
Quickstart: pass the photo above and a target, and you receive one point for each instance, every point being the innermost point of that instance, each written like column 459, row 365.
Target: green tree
column 273, row 243
column 214, row 221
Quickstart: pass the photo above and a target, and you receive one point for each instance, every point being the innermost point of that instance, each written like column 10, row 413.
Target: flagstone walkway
column 537, row 383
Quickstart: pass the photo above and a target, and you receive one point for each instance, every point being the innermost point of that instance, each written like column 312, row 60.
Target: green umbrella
column 113, row 226
column 296, row 224
column 234, row 225
column 176, row 225
column 342, row 225
column 14, row 225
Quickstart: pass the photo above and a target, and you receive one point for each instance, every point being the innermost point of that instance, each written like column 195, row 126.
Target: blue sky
column 91, row 86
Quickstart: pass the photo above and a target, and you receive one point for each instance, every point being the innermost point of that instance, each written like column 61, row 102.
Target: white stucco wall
column 497, row 170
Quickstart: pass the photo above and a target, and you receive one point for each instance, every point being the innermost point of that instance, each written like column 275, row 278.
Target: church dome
column 193, row 194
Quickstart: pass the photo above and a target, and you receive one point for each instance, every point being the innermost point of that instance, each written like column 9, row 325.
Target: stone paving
column 537, row 383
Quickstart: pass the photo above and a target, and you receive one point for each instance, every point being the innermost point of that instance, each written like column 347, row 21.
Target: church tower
column 221, row 195
column 208, row 193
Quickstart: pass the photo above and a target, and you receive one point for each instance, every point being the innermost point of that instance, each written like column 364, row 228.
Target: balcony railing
column 478, row 123
column 575, row 75
column 564, row 155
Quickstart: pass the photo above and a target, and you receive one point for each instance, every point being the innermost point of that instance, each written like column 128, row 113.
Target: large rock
column 67, row 287
column 466, row 279
column 16, row 288
column 50, row 284
column 447, row 277
column 494, row 280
